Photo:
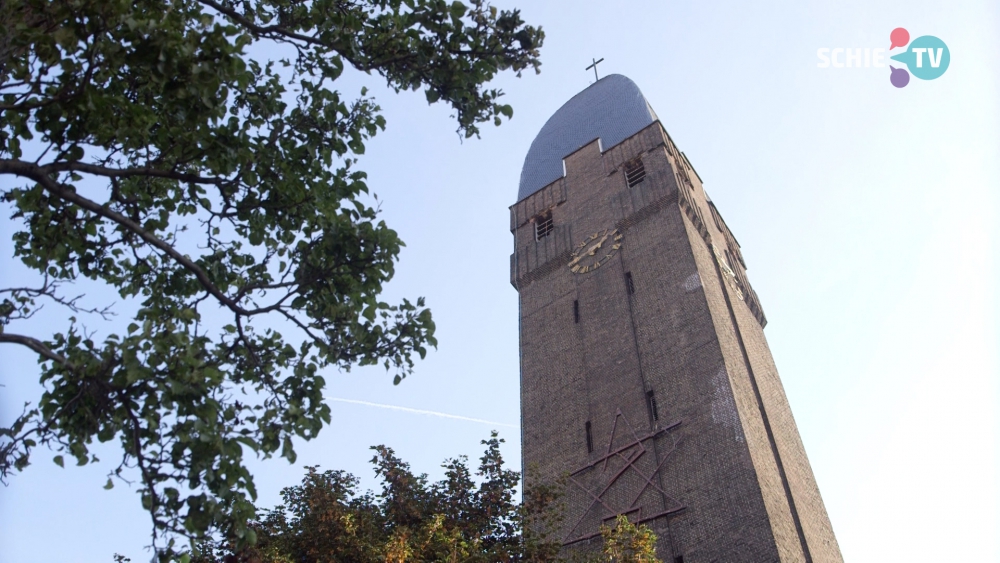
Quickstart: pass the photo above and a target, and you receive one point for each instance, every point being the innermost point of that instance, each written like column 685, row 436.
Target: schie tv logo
column 926, row 58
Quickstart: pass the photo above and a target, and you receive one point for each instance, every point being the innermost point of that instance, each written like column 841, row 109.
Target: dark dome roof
column 612, row 109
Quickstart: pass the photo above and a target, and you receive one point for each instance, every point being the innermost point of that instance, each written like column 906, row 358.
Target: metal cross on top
column 594, row 66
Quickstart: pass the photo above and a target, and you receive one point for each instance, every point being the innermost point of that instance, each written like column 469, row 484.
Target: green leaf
column 58, row 460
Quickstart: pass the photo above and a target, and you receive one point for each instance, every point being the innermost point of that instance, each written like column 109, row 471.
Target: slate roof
column 612, row 109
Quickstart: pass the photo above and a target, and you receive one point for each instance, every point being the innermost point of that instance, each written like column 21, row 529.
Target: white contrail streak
column 420, row 411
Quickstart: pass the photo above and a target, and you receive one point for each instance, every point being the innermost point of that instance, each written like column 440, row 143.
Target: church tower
column 646, row 380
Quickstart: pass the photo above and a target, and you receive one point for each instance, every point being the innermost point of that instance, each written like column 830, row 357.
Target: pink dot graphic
column 899, row 38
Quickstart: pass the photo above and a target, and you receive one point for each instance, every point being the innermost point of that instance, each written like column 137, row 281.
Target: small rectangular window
column 629, row 284
column 679, row 559
column 576, row 311
column 635, row 172
column 590, row 438
column 543, row 224
column 651, row 403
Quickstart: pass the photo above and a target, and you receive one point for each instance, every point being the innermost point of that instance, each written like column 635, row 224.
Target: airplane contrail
column 420, row 411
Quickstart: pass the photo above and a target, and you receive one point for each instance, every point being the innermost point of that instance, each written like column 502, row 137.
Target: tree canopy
column 465, row 517
column 146, row 147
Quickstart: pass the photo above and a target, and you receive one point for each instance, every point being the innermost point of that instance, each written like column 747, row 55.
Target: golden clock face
column 593, row 252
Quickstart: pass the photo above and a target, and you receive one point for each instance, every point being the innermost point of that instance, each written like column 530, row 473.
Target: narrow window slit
column 590, row 438
column 629, row 284
column 576, row 311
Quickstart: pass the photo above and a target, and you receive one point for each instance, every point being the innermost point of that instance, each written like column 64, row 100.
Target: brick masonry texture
column 719, row 471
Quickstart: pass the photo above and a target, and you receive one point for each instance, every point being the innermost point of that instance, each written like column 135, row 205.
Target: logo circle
column 927, row 57
column 899, row 77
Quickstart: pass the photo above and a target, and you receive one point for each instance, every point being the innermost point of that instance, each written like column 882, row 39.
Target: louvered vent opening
column 635, row 172
column 543, row 225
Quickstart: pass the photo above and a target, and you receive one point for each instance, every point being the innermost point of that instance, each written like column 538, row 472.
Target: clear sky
column 867, row 215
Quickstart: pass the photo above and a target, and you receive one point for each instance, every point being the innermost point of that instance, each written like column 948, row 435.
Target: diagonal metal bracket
column 629, row 454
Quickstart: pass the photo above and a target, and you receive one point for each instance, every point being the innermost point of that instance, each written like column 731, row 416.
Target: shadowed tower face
column 645, row 374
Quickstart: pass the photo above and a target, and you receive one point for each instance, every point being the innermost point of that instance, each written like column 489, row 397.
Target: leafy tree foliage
column 464, row 517
column 627, row 543
column 144, row 148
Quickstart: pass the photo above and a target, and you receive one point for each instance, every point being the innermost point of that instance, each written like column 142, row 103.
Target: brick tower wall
column 703, row 473
column 755, row 380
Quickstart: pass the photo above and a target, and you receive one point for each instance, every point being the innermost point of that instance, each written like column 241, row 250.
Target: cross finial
column 594, row 66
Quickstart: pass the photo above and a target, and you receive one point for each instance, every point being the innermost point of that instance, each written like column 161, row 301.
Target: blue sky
column 867, row 215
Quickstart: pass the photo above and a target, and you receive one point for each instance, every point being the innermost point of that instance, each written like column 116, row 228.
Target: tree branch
column 38, row 174
column 36, row 345
column 282, row 31
column 129, row 172
column 258, row 29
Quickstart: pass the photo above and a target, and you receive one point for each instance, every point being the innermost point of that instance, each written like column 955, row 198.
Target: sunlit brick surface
column 717, row 478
